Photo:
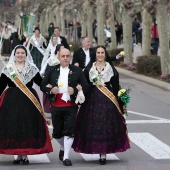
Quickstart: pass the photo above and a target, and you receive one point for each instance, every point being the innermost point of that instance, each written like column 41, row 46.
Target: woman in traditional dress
column 100, row 127
column 50, row 50
column 37, row 45
column 52, row 61
column 23, row 128
column 6, row 46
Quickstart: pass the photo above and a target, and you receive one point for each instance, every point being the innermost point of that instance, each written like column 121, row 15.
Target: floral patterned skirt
column 100, row 128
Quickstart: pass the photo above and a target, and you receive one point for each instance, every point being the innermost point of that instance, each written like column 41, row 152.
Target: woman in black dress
column 100, row 127
column 23, row 129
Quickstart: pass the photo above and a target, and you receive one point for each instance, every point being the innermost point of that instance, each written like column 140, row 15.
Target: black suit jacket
column 64, row 42
column 80, row 57
column 75, row 77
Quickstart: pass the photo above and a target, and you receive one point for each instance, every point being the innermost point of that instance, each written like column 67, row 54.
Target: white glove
column 80, row 97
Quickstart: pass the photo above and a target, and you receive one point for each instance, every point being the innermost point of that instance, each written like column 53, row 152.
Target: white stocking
column 68, row 141
column 61, row 142
column 103, row 156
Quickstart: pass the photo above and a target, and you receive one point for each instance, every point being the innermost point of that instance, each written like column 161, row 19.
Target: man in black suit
column 61, row 39
column 85, row 54
column 64, row 78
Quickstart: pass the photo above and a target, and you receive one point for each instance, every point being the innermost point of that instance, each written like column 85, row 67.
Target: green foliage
column 74, row 46
column 149, row 65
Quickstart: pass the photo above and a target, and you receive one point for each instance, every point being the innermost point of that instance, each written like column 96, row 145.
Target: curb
column 149, row 80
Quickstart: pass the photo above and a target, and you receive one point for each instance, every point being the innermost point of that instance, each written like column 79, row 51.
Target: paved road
column 148, row 124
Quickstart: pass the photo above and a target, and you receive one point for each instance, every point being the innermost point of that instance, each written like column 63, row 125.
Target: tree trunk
column 100, row 22
column 127, row 36
column 89, row 21
column 117, row 12
column 112, row 25
column 42, row 18
column 46, row 22
column 83, row 23
column 146, row 32
column 57, row 19
column 62, row 22
column 162, row 19
column 50, row 15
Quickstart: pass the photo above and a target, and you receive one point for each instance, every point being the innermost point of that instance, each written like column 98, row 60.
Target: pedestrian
column 64, row 79
column 155, row 37
column 100, row 126
column 50, row 30
column 23, row 128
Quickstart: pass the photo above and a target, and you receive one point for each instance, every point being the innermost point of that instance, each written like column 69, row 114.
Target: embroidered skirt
column 100, row 128
column 23, row 130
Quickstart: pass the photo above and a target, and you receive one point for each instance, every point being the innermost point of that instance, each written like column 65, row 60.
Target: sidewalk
column 149, row 80
column 158, row 83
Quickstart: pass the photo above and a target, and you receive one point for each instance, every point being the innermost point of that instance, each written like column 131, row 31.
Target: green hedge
column 149, row 65
column 74, row 46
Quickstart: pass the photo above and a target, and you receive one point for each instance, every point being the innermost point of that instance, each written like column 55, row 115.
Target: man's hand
column 70, row 90
column 49, row 85
column 54, row 90
column 119, row 56
column 76, row 64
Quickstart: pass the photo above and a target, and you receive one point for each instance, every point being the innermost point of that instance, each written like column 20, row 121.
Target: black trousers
column 63, row 119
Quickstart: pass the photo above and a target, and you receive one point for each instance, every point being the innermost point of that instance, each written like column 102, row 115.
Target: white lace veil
column 30, row 69
column 28, row 57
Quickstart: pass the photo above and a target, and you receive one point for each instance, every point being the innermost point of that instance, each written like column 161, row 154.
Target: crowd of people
column 71, row 87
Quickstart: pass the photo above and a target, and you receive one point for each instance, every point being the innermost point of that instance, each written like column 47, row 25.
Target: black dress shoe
column 24, row 162
column 67, row 162
column 102, row 161
column 16, row 161
column 61, row 155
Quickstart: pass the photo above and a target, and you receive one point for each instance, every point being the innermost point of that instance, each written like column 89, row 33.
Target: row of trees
column 58, row 10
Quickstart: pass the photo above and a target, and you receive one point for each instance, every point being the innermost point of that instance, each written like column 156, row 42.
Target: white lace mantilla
column 36, row 43
column 28, row 72
column 104, row 76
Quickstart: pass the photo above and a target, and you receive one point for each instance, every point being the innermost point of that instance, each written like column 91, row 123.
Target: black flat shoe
column 61, row 155
column 102, row 161
column 16, row 161
column 67, row 162
column 24, row 162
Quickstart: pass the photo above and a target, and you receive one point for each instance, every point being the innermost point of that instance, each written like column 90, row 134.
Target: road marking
column 151, row 145
column 146, row 115
column 40, row 158
column 146, row 121
column 94, row 157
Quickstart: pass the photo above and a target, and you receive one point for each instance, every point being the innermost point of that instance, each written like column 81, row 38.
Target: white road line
column 147, row 121
column 94, row 157
column 151, row 145
column 41, row 158
column 146, row 115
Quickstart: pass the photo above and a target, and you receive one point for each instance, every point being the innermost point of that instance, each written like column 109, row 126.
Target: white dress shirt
column 63, row 83
column 87, row 53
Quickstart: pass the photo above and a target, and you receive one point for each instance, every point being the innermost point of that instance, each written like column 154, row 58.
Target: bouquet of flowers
column 123, row 96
